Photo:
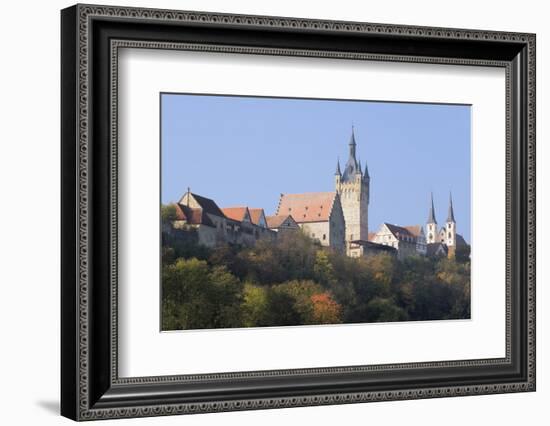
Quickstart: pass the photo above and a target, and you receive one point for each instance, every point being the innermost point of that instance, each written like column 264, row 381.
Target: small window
column 449, row 235
column 324, row 236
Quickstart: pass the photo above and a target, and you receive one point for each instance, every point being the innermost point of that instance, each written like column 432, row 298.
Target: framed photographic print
column 263, row 212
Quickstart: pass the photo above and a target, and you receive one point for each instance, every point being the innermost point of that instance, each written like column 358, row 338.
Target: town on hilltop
column 338, row 219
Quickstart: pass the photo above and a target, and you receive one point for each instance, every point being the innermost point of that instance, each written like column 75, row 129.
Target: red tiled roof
column 371, row 236
column 307, row 207
column 255, row 215
column 276, row 221
column 235, row 213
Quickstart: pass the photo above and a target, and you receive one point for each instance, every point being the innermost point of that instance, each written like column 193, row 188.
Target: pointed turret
column 338, row 172
column 352, row 143
column 431, row 214
column 366, row 174
column 431, row 224
column 449, row 234
column 451, row 214
column 352, row 167
column 359, row 171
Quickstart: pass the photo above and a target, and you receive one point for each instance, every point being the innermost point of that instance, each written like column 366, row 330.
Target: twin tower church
column 338, row 219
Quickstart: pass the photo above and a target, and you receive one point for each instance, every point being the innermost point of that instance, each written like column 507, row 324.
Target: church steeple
column 431, row 215
column 431, row 224
column 451, row 214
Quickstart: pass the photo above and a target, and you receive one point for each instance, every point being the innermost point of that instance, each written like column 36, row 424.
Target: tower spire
column 431, row 215
column 338, row 172
column 366, row 174
column 451, row 214
column 352, row 143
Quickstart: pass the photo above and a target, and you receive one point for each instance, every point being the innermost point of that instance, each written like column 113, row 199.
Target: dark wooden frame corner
column 91, row 37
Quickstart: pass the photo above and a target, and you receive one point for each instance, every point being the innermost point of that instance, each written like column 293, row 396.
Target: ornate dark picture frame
column 90, row 386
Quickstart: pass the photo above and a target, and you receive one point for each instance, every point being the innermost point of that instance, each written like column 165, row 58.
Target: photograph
column 280, row 211
column 265, row 209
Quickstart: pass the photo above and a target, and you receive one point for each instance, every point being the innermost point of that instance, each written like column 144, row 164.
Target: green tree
column 194, row 296
column 384, row 310
column 168, row 213
column 322, row 269
column 255, row 306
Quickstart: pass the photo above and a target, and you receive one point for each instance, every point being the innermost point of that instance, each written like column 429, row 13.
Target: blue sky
column 247, row 150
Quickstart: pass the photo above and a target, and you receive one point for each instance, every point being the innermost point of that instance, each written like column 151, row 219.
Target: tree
column 325, row 310
column 384, row 310
column 254, row 306
column 281, row 309
column 226, row 291
column 294, row 280
column 311, row 302
column 168, row 213
column 195, row 296
column 322, row 269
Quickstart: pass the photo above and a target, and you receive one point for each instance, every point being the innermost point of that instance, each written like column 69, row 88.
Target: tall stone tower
column 353, row 186
column 450, row 229
column 431, row 225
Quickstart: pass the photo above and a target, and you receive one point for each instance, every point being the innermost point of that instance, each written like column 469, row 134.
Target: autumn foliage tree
column 295, row 281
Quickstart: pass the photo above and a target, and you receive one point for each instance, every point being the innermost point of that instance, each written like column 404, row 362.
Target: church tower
column 450, row 226
column 431, row 225
column 353, row 186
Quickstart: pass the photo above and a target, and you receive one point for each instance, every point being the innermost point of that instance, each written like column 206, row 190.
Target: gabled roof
column 193, row 216
column 206, row 204
column 435, row 248
column 236, row 213
column 416, row 230
column 399, row 232
column 256, row 215
column 274, row 222
column 180, row 214
column 307, row 207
